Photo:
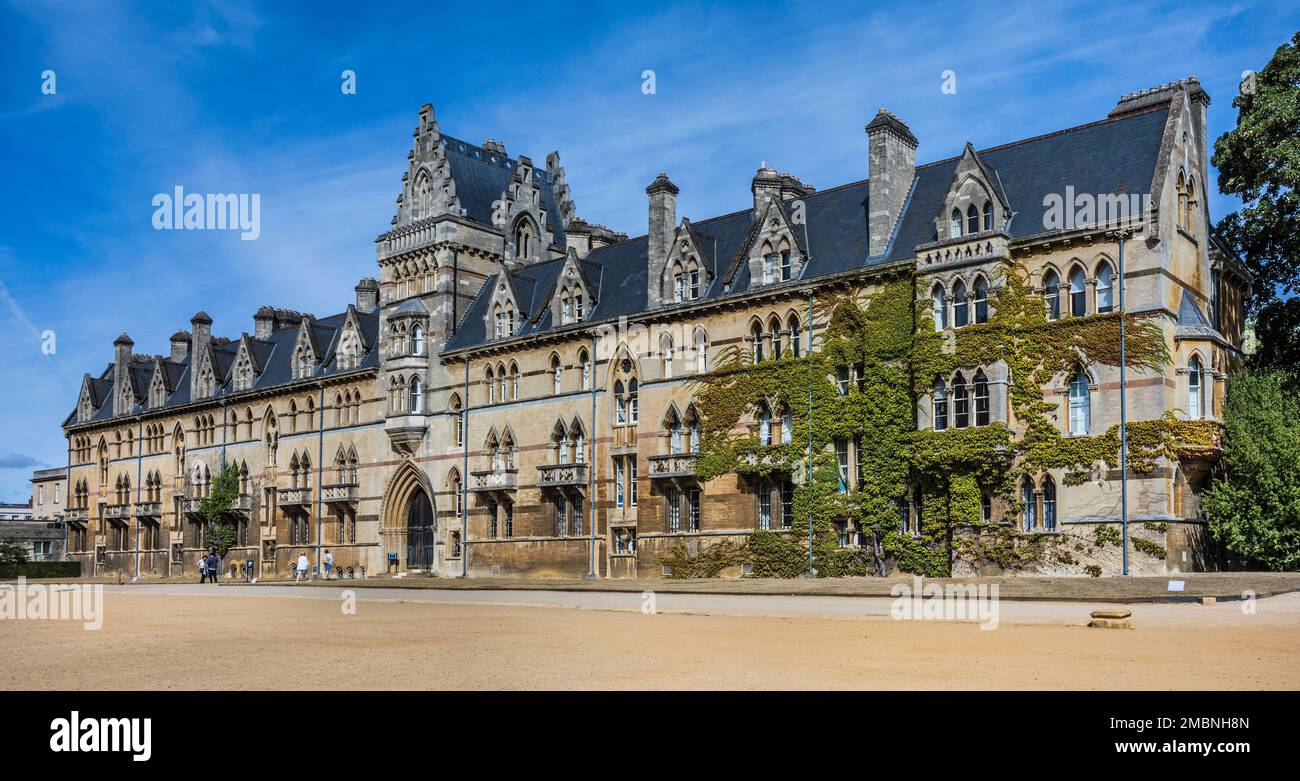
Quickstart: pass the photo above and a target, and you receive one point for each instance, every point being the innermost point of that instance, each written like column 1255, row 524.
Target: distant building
column 41, row 535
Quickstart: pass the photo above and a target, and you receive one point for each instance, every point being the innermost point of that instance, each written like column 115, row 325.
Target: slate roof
column 1116, row 155
column 1192, row 323
column 272, row 357
column 483, row 175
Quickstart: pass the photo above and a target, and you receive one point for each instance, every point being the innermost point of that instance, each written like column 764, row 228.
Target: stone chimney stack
column 367, row 294
column 766, row 185
column 201, row 328
column 121, row 360
column 180, row 346
column 663, row 217
column 263, row 323
column 892, row 157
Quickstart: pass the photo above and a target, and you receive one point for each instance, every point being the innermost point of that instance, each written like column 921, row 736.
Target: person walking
column 329, row 563
column 214, row 567
column 203, row 569
column 301, row 572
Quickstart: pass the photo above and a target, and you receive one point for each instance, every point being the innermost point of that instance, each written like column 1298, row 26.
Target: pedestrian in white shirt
column 302, row 568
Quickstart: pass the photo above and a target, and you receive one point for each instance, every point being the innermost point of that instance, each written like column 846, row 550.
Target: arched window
column 1194, row 406
column 579, row 441
column 585, row 360
column 679, row 283
column 1052, row 294
column 988, row 216
column 796, row 335
column 666, row 353
column 1078, row 294
column 981, row 300
column 417, row 395
column 1049, row 503
column 674, row 427
column 1080, row 405
column 458, row 420
column 1180, row 217
column 959, row 303
column 499, row 321
column 1105, row 292
column 1028, row 504
column 774, row 327
column 954, row 224
column 701, row 351
column 940, row 406
column 764, row 425
column 693, row 430
column 560, row 444
column 417, row 339
column 524, row 239
column 1189, row 221
column 787, row 426
column 490, row 380
column 960, row 402
column 940, row 308
column 557, row 374
column 981, row 399
column 632, row 405
column 620, row 404
column 756, row 335
column 566, row 308
column 514, row 383
column 972, row 219
column 693, row 279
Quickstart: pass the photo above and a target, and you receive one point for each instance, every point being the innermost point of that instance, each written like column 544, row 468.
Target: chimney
column 892, row 157
column 201, row 327
column 180, row 346
column 121, row 359
column 766, row 185
column 367, row 294
column 263, row 323
column 663, row 217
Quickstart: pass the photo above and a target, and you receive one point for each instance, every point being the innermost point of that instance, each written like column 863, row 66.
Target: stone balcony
column 763, row 459
column 673, row 465
column 340, row 493
column 242, row 504
column 117, row 512
column 148, row 509
column 294, row 497
column 190, row 504
column 562, row 475
column 489, row 480
column 978, row 248
column 76, row 515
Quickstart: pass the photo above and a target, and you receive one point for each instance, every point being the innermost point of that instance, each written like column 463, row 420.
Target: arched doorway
column 419, row 531
column 409, row 525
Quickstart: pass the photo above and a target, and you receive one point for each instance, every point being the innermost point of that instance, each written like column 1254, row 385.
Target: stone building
column 513, row 393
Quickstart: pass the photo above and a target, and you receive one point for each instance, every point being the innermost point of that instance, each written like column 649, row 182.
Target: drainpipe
column 320, row 470
column 139, row 465
column 464, row 477
column 808, row 474
column 591, row 467
column 1123, row 410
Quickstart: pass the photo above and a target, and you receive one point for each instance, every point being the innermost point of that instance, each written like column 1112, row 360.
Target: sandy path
column 161, row 640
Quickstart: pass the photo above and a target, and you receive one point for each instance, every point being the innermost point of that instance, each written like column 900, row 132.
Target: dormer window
column 972, row 220
column 566, row 308
column 693, row 274
column 243, row 373
column 954, row 225
column 349, row 350
column 787, row 269
column 577, row 304
column 303, row 362
column 988, row 216
column 769, row 268
column 524, row 239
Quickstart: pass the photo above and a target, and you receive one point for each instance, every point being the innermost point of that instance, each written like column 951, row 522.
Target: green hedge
column 41, row 569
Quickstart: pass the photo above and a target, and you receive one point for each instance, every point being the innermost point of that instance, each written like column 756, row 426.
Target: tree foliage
column 1254, row 507
column 215, row 509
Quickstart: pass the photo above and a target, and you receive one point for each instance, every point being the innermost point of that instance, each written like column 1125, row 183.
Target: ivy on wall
column 889, row 340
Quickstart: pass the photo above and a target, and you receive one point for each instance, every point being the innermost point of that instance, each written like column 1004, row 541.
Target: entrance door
column 419, row 532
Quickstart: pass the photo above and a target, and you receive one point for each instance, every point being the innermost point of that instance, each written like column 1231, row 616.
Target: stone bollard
column 1111, row 619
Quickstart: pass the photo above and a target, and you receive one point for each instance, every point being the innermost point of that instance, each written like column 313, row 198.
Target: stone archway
column 409, row 524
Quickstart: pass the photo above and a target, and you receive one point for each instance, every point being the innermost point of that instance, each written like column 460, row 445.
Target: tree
column 215, row 509
column 1254, row 506
column 11, row 553
column 1259, row 161
column 1277, row 329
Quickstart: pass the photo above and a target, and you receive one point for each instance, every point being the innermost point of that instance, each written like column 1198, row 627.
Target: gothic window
column 960, row 402
column 556, row 374
column 693, row 430
column 417, row 339
column 514, row 382
column 954, row 224
column 940, row 406
column 981, row 300
column 960, row 306
column 1105, row 291
column 787, row 426
column 243, row 373
column 1049, row 503
column 566, row 308
column 1078, row 294
column 679, row 283
column 458, row 420
column 499, row 321
column 304, row 361
column 981, row 399
column 524, row 239
column 1028, row 504
column 349, row 350
column 1080, row 405
column 774, row 328
column 756, row 336
column 796, row 336
column 490, row 381
column 693, row 279
column 972, row 219
column 787, row 267
column 416, row 395
column 940, row 308
column 1194, row 405
column 701, row 351
column 764, row 425
column 577, row 305
column 1052, row 294
column 585, row 360
column 988, row 216
column 769, row 266
column 620, row 404
column 579, row 442
column 666, row 353
column 632, row 400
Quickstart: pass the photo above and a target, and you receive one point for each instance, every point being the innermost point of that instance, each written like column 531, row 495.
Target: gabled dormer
column 521, row 214
column 428, row 189
column 503, row 313
column 86, row 401
column 975, row 202
column 774, row 247
column 159, row 385
column 574, row 295
column 683, row 274
column 353, row 345
column 305, row 356
column 246, row 368
column 205, row 375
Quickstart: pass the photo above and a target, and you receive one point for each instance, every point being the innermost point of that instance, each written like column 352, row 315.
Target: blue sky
column 235, row 96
